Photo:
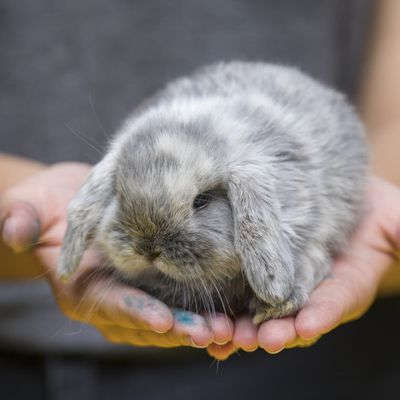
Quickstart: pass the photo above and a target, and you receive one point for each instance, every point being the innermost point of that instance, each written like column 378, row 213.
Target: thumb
column 20, row 226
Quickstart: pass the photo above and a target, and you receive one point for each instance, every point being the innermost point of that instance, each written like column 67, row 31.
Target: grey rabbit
column 231, row 189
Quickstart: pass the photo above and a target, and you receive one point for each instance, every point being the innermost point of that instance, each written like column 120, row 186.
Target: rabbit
column 231, row 189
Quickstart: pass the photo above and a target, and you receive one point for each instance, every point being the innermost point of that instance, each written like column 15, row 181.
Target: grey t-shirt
column 71, row 71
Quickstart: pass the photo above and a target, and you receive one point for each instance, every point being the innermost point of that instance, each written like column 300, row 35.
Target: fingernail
column 275, row 351
column 10, row 233
column 21, row 229
column 194, row 344
column 221, row 343
column 251, row 349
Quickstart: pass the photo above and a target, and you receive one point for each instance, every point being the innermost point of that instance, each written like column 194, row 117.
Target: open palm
column 346, row 294
column 127, row 315
column 37, row 208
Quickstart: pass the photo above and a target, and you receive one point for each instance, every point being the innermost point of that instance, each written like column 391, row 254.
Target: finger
column 352, row 286
column 93, row 294
column 245, row 334
column 190, row 324
column 124, row 307
column 21, row 226
column 221, row 352
column 130, row 307
column 127, row 307
column 143, row 308
column 274, row 335
column 222, row 328
column 342, row 297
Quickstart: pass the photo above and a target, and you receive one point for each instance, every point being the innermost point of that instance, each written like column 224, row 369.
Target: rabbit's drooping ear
column 84, row 214
column 258, row 235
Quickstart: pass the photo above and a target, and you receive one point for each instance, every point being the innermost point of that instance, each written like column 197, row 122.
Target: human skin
column 345, row 295
column 379, row 106
column 379, row 96
column 349, row 290
column 33, row 215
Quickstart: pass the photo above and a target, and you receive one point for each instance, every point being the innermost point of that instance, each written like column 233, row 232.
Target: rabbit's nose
column 151, row 256
column 148, row 251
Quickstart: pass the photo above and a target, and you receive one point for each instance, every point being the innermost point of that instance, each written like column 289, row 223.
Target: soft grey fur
column 284, row 161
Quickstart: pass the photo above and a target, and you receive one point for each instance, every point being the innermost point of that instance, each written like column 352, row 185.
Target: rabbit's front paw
column 264, row 312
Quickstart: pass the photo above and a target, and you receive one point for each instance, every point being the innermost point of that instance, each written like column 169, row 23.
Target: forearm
column 380, row 106
column 16, row 266
column 380, row 92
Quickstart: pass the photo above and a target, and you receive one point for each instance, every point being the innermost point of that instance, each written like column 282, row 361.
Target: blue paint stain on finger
column 147, row 307
column 134, row 302
column 183, row 317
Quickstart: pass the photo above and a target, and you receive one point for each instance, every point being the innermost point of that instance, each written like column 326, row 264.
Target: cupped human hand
column 346, row 294
column 33, row 216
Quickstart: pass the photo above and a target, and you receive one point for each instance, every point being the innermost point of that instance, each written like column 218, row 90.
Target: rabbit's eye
column 201, row 201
